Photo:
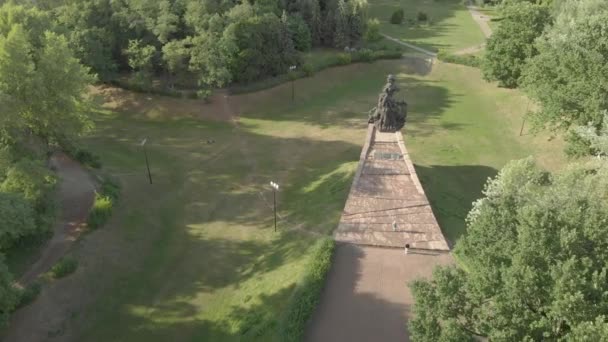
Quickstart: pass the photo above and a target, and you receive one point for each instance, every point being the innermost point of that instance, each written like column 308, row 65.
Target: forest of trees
column 210, row 43
column 557, row 52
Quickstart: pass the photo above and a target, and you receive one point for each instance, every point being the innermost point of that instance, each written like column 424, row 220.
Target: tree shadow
column 451, row 190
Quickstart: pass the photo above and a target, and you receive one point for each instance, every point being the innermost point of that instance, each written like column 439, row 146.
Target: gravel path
column 480, row 19
column 75, row 195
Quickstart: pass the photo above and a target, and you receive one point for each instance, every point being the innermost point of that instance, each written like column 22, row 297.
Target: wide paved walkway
column 366, row 298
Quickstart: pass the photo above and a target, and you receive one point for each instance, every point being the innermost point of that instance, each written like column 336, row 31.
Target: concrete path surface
column 411, row 46
column 366, row 297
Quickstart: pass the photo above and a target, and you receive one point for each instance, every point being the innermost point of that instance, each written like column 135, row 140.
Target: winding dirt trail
column 75, row 195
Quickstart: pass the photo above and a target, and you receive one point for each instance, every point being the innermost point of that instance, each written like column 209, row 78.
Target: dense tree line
column 212, row 42
column 557, row 53
column 536, row 256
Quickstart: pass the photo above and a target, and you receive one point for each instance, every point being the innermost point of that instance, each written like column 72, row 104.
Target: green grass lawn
column 450, row 25
column 194, row 257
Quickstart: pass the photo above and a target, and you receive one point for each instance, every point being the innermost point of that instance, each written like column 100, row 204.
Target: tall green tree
column 568, row 75
column 44, row 86
column 511, row 45
column 17, row 216
column 536, row 252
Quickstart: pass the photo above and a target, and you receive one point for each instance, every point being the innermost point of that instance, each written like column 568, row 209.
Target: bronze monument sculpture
column 389, row 115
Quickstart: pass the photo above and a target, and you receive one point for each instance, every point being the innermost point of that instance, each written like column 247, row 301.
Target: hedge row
column 306, row 296
column 468, row 60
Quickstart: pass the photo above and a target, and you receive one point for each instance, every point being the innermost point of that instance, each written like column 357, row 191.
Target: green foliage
column 344, row 59
column 511, row 45
column 397, row 17
column 596, row 139
column 29, row 294
column 17, row 217
column 299, row 32
column 306, row 296
column 66, row 266
column 422, row 16
column 372, row 32
column 364, row 55
column 105, row 199
column 9, row 296
column 536, row 251
column 468, row 60
column 567, row 76
column 31, row 179
column 44, row 87
column 88, row 158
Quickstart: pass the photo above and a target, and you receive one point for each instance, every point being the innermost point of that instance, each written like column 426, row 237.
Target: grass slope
column 451, row 27
column 194, row 256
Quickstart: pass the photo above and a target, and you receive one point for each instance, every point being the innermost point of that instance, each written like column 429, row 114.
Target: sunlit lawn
column 450, row 25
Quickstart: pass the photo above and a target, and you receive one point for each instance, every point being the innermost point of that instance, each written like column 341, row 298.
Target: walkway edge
column 411, row 46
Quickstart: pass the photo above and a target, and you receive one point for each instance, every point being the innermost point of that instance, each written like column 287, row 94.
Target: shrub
column 365, row 55
column 204, row 94
column 308, row 69
column 87, row 158
column 306, row 296
column 344, row 59
column 468, row 60
column 397, row 17
column 372, row 31
column 17, row 217
column 422, row 16
column 64, row 267
column 29, row 294
column 103, row 204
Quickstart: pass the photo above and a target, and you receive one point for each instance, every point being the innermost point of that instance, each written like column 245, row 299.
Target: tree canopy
column 567, row 76
column 536, row 256
column 511, row 45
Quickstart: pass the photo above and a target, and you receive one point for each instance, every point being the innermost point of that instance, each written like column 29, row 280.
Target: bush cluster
column 105, row 199
column 397, row 17
column 306, row 296
column 468, row 60
column 64, row 267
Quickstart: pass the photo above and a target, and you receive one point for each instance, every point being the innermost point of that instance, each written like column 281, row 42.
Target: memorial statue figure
column 389, row 115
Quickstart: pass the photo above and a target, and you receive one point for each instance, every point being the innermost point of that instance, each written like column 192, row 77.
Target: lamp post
column 275, row 188
column 143, row 144
column 293, row 79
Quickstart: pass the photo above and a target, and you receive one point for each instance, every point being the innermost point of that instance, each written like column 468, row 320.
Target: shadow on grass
column 451, row 191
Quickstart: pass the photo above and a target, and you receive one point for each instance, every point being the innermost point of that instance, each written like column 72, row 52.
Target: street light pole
column 143, row 144
column 275, row 188
column 293, row 80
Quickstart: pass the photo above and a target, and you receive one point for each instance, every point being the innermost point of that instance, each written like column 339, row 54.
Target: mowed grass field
column 194, row 257
column 450, row 26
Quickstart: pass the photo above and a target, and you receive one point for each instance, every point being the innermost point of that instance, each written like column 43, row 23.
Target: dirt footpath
column 366, row 297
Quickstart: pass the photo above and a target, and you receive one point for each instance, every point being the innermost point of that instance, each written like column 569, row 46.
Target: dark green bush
column 64, row 267
column 306, row 296
column 422, row 16
column 87, row 158
column 397, row 17
column 364, row 55
column 29, row 294
column 308, row 69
